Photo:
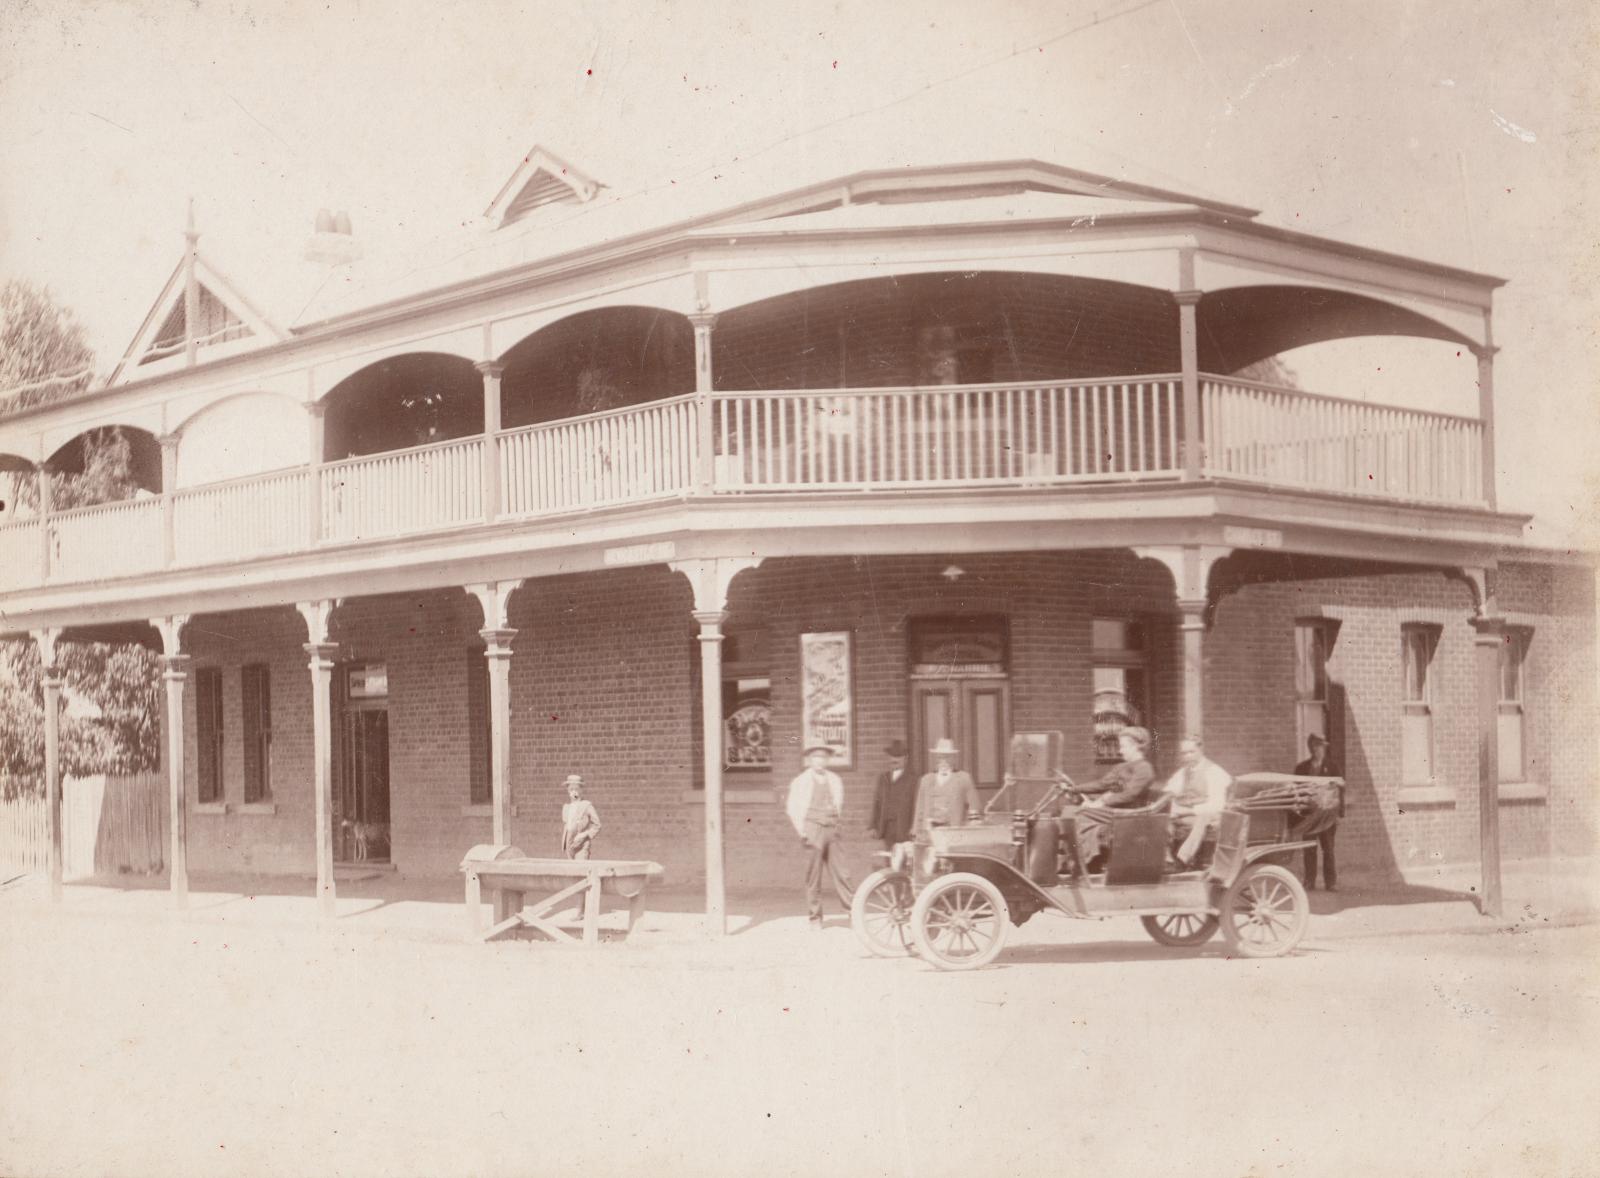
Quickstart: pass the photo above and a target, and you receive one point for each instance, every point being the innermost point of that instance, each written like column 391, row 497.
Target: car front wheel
column 880, row 913
column 959, row 921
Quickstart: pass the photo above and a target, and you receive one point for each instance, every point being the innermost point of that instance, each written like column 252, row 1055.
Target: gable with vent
column 541, row 180
column 222, row 316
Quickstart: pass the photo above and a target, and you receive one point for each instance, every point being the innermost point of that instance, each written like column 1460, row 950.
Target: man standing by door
column 815, row 807
column 1320, row 764
column 947, row 796
column 895, row 799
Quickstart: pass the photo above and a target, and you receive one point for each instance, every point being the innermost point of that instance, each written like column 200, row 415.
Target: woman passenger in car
column 1127, row 787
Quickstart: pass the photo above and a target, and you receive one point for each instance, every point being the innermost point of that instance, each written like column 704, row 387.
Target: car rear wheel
column 959, row 921
column 880, row 913
column 1181, row 930
column 1265, row 912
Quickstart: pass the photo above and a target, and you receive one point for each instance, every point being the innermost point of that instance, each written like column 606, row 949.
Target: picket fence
column 109, row 826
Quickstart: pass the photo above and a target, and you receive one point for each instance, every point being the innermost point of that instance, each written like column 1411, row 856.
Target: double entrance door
column 974, row 713
column 361, row 769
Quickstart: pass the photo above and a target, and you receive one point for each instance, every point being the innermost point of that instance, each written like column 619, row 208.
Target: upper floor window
column 1418, row 644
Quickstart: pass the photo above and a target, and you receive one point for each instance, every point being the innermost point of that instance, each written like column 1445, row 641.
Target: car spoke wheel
column 959, row 921
column 880, row 913
column 1181, row 930
column 1265, row 912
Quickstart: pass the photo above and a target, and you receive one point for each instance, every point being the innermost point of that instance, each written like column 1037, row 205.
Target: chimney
column 331, row 241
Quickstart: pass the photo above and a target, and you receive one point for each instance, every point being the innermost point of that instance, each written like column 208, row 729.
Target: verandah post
column 46, row 641
column 705, row 458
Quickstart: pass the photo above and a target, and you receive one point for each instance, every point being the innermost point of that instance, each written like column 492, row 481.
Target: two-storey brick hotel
column 657, row 487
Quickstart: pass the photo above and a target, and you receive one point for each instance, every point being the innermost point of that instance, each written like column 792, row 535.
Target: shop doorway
column 961, row 689
column 361, row 799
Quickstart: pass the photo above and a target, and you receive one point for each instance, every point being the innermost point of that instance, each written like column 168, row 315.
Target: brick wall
column 601, row 684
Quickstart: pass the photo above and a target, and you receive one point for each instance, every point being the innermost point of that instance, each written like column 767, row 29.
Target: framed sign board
column 827, row 704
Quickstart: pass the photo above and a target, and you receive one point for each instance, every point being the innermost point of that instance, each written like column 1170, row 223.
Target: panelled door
column 974, row 713
column 361, row 823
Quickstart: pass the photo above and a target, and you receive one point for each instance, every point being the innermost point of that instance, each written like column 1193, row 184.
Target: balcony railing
column 1265, row 434
column 1042, row 435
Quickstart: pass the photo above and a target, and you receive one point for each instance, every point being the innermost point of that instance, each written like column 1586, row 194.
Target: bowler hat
column 945, row 748
column 818, row 748
column 573, row 779
column 1316, row 738
column 897, row 748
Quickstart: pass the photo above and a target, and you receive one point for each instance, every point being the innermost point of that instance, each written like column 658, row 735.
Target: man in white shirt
column 815, row 806
column 1200, row 792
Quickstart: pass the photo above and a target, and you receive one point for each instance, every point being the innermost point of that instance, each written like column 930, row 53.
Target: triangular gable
column 223, row 316
column 541, row 179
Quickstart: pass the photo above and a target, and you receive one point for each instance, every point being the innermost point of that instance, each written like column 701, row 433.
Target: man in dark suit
column 1320, row 764
column 895, row 799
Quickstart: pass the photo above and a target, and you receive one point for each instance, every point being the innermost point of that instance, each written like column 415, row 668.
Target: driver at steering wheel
column 1127, row 787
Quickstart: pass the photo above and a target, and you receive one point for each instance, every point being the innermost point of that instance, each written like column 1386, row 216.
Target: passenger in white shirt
column 1200, row 791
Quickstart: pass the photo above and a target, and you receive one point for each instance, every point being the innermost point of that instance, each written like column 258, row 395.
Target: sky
column 1459, row 131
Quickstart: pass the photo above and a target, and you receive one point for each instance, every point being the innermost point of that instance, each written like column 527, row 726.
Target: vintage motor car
column 950, row 896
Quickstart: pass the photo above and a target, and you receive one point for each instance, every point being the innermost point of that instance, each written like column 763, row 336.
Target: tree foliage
column 39, row 339
column 111, row 721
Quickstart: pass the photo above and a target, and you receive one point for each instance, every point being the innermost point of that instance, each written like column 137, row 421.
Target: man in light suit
column 815, row 806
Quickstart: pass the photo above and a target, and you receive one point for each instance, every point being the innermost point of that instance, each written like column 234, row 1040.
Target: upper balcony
column 929, row 385
column 1045, row 437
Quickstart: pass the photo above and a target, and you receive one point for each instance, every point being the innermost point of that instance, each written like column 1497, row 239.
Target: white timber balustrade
column 1051, row 434
column 1077, row 431
column 106, row 540
column 1289, row 438
column 20, row 554
column 242, row 517
column 623, row 456
column 426, row 488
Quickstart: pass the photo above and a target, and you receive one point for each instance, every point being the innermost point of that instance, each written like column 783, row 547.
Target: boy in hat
column 580, row 821
column 815, row 806
column 895, row 799
column 947, row 796
column 1320, row 764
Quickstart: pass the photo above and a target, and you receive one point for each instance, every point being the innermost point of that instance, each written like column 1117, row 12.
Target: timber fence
column 109, row 826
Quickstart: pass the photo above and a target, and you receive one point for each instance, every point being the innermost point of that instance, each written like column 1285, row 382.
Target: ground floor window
column 208, row 734
column 1120, row 682
column 1511, row 719
column 255, row 695
column 479, row 724
column 1418, row 643
column 1313, row 642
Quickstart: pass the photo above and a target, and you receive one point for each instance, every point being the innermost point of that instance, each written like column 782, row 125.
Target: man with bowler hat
column 815, row 806
column 1320, row 764
column 895, row 799
column 946, row 796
